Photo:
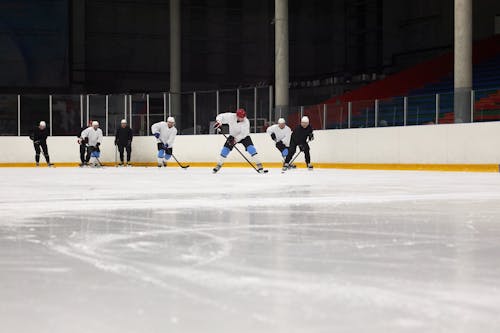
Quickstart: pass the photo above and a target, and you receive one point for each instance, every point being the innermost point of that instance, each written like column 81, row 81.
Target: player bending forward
column 39, row 138
column 93, row 136
column 281, row 134
column 239, row 130
column 300, row 135
column 164, row 133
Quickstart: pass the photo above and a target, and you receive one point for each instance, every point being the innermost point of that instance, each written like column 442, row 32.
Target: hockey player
column 93, row 136
column 239, row 130
column 165, row 133
column 83, row 145
column 299, row 138
column 39, row 138
column 281, row 134
column 123, row 140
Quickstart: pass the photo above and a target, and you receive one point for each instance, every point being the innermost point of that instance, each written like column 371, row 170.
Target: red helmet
column 240, row 113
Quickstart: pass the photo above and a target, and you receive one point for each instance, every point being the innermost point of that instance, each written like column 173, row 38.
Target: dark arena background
column 249, row 166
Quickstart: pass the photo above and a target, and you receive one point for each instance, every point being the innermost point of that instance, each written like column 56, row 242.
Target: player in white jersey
column 281, row 134
column 93, row 136
column 164, row 133
column 239, row 130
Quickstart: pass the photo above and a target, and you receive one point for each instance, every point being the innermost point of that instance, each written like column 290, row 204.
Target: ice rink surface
column 171, row 250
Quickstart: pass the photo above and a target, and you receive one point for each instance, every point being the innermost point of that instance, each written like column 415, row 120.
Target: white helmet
column 124, row 121
column 305, row 119
column 281, row 121
column 95, row 123
column 170, row 120
column 43, row 124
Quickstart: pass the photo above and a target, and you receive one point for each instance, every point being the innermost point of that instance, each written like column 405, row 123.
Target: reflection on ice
column 142, row 249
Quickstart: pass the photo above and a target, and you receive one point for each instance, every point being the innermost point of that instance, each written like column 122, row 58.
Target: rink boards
column 455, row 147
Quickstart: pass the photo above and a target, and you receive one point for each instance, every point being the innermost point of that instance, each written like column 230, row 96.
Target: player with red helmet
column 239, row 132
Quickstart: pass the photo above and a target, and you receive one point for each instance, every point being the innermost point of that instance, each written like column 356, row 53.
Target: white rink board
column 434, row 144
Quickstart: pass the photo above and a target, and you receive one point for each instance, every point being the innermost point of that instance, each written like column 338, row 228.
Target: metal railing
column 66, row 114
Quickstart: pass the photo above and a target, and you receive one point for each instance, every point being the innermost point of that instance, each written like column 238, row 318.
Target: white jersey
column 282, row 134
column 239, row 130
column 93, row 135
column 167, row 134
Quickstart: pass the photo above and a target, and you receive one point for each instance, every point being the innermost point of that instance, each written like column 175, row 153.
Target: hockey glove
column 311, row 137
column 273, row 136
column 157, row 135
column 98, row 144
column 217, row 124
column 165, row 146
column 230, row 141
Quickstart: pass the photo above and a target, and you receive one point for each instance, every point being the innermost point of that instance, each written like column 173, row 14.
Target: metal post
column 194, row 112
column 472, row 100
column 88, row 109
column 164, row 106
column 405, row 110
column 81, row 110
column 147, row 114
column 437, row 108
column 217, row 101
column 107, row 115
column 50, row 115
column 18, row 115
column 130, row 111
column 349, row 114
column 169, row 104
column 376, row 113
column 125, row 106
column 324, row 116
column 281, row 54
column 270, row 104
column 255, row 109
column 237, row 98
column 301, row 111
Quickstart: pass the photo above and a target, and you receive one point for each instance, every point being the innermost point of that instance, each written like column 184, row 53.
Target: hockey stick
column 182, row 166
column 246, row 159
column 295, row 157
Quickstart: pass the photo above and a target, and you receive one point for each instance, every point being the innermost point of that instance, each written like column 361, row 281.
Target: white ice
column 171, row 250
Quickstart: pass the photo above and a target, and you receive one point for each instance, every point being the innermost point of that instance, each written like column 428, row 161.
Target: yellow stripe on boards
column 353, row 166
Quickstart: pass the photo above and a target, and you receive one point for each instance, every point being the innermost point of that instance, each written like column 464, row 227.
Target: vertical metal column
column 270, row 104
column 281, row 54
column 81, row 110
column 107, row 114
column 472, row 100
column 50, row 115
column 88, row 109
column 169, row 104
column 164, row 106
column 324, row 116
column 194, row 112
column 349, row 114
column 437, row 108
column 376, row 113
column 405, row 110
column 18, row 115
column 463, row 21
column 125, row 106
column 301, row 113
column 217, row 101
column 130, row 111
column 255, row 109
column 147, row 114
